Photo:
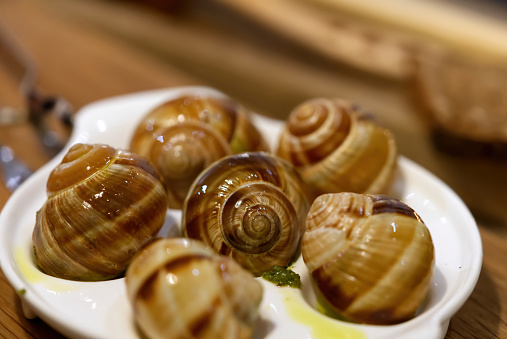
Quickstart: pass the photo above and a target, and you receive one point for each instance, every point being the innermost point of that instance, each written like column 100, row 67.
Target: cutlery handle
column 14, row 172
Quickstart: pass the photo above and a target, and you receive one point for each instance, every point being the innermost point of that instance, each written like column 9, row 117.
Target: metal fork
column 14, row 171
column 50, row 116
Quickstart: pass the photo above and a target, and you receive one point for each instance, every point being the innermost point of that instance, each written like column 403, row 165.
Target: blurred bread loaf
column 465, row 102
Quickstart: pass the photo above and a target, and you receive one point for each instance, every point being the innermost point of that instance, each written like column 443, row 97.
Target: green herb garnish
column 282, row 276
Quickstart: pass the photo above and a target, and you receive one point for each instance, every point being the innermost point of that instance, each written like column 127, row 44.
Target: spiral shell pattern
column 103, row 205
column 249, row 206
column 337, row 148
column 183, row 136
column 179, row 288
column 370, row 256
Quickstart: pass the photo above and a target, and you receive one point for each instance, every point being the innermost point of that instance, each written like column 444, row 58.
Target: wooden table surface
column 90, row 50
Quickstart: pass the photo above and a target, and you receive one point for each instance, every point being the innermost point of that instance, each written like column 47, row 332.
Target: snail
column 103, row 205
column 337, row 148
column 370, row 256
column 250, row 207
column 179, row 288
column 183, row 136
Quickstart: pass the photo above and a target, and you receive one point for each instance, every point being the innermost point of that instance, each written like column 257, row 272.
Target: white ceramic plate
column 101, row 310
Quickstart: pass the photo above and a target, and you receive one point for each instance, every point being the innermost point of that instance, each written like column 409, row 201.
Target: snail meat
column 370, row 256
column 103, row 205
column 249, row 206
column 338, row 148
column 183, row 136
column 179, row 288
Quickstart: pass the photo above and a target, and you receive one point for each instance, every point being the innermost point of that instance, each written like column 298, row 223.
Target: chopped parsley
column 283, row 277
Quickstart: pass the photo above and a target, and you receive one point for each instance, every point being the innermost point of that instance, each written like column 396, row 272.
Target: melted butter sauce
column 34, row 276
column 321, row 326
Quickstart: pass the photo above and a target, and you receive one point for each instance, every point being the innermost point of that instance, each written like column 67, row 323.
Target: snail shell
column 181, row 289
column 103, row 205
column 337, row 148
column 183, row 136
column 370, row 256
column 249, row 206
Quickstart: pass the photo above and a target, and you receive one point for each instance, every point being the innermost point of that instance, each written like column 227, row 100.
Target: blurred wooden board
column 462, row 29
column 333, row 34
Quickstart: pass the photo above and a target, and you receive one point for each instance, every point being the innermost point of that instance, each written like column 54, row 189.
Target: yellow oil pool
column 321, row 326
column 33, row 275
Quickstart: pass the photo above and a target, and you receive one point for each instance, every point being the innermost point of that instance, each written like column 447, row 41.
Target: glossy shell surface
column 249, row 206
column 183, row 136
column 179, row 288
column 103, row 205
column 338, row 148
column 370, row 256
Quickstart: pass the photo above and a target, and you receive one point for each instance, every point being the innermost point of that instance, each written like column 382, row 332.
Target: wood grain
column 84, row 53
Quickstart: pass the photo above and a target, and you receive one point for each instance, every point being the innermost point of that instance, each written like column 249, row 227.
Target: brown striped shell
column 337, row 148
column 179, row 288
column 103, row 205
column 249, row 206
column 183, row 136
column 370, row 256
